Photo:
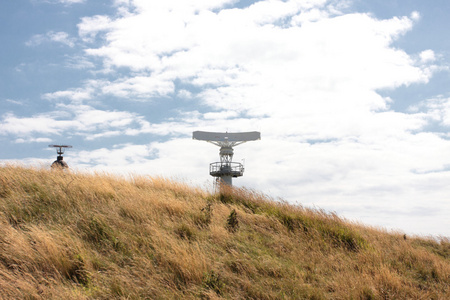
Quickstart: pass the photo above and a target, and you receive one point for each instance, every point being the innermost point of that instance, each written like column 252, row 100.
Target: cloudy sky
column 352, row 97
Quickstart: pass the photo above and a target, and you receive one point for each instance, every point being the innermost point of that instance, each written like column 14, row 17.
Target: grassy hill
column 79, row 236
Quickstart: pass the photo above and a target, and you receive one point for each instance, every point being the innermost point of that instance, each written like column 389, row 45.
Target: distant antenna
column 226, row 169
column 59, row 162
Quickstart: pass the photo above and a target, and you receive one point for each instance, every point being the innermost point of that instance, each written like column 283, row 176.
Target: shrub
column 185, row 232
column 213, row 281
column 78, row 272
column 232, row 222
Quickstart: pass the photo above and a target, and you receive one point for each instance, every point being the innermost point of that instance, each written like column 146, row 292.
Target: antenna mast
column 226, row 169
column 59, row 162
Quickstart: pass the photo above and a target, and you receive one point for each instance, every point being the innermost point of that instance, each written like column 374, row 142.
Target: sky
column 352, row 97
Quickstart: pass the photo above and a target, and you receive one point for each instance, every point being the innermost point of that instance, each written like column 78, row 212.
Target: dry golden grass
column 76, row 236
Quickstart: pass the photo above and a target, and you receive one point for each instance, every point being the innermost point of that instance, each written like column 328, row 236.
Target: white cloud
column 140, row 87
column 427, row 56
column 51, row 36
column 24, row 126
column 78, row 62
column 415, row 15
column 66, row 2
column 184, row 94
column 61, row 37
column 118, row 156
column 16, row 102
column 82, row 120
column 88, row 117
column 33, row 140
column 74, row 95
column 182, row 6
column 36, row 40
column 91, row 26
column 232, row 49
column 121, row 2
column 71, row 1
column 436, row 110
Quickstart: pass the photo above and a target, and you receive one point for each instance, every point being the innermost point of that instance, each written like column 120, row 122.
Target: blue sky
column 351, row 97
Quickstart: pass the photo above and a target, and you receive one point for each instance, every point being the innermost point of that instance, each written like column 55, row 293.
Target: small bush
column 226, row 198
column 185, row 232
column 78, row 272
column 232, row 222
column 367, row 294
column 340, row 234
column 213, row 281
column 346, row 238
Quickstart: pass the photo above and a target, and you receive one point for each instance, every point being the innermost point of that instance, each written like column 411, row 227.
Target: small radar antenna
column 226, row 169
column 59, row 162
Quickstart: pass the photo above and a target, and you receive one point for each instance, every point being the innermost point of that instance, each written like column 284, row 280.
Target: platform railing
column 233, row 169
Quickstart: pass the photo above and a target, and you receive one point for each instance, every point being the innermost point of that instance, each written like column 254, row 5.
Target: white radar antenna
column 226, row 169
column 59, row 162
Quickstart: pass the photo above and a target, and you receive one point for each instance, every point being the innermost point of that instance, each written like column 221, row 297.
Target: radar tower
column 226, row 169
column 59, row 162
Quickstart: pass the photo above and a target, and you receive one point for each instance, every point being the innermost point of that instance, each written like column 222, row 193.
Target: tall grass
column 77, row 236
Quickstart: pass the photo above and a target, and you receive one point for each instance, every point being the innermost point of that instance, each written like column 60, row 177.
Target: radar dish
column 227, row 136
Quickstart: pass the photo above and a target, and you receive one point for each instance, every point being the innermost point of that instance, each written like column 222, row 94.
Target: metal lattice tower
column 226, row 169
column 59, row 162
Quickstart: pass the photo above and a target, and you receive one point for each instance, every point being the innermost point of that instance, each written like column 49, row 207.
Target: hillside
column 79, row 236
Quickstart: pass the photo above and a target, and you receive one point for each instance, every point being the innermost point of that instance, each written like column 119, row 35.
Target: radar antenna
column 59, row 162
column 226, row 169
